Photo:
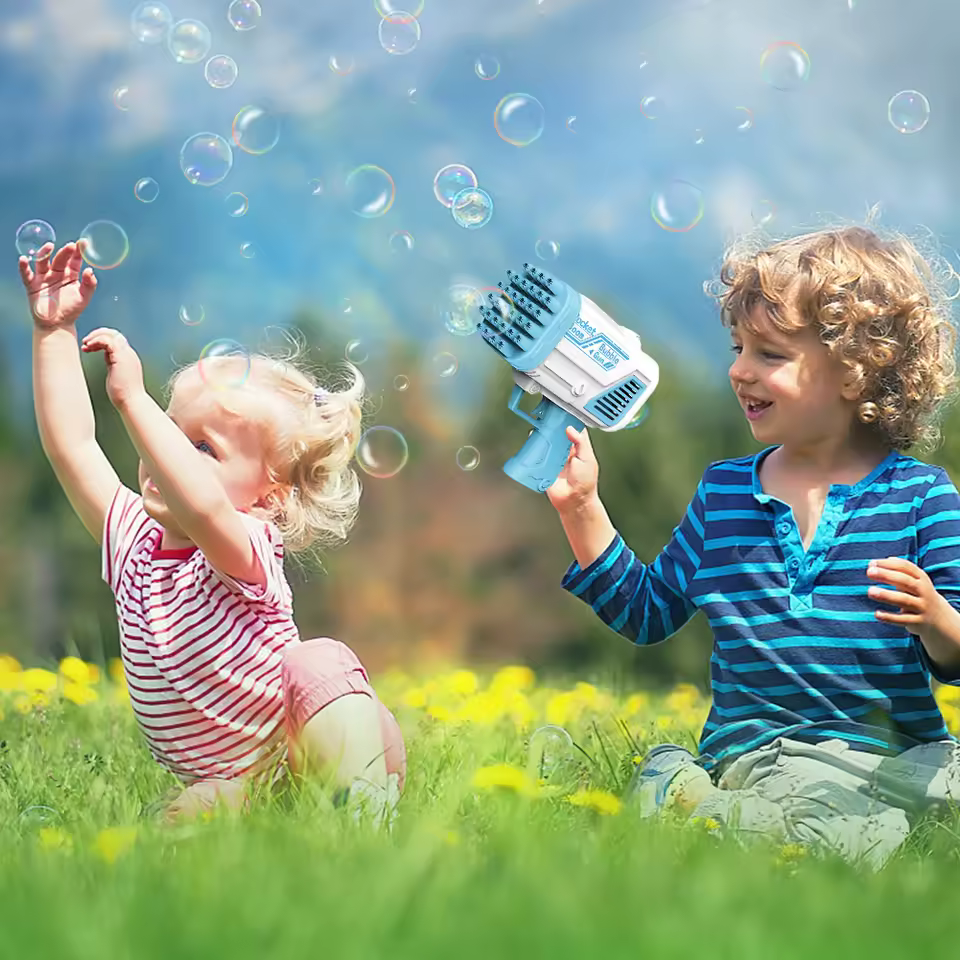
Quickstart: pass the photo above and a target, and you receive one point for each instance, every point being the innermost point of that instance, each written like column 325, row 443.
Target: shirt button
column 794, row 563
column 783, row 528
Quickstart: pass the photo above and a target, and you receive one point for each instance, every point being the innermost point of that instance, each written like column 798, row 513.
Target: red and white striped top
column 202, row 652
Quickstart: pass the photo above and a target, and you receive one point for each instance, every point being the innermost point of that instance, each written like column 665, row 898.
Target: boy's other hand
column 58, row 288
column 576, row 485
column 124, row 371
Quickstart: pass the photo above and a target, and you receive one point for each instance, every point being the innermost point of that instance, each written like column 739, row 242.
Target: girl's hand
column 124, row 371
column 921, row 606
column 58, row 289
column 576, row 485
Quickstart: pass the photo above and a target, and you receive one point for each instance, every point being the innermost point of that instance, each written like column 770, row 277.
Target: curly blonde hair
column 310, row 434
column 878, row 308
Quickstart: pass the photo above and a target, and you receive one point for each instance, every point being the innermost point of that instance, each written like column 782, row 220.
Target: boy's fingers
column 26, row 271
column 88, row 281
column 62, row 257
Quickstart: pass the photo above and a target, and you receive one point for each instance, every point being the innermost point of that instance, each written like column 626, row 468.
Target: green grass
column 465, row 873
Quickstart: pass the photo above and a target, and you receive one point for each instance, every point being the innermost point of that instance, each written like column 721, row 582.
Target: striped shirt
column 201, row 651
column 797, row 649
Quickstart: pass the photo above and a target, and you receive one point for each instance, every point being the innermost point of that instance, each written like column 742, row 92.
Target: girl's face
column 231, row 446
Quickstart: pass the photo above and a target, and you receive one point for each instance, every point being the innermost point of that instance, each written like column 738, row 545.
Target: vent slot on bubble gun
column 588, row 369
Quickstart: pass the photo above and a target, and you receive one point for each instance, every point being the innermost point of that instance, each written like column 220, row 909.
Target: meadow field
column 495, row 851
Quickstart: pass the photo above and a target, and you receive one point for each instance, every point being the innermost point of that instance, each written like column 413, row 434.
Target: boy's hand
column 577, row 483
column 124, row 371
column 921, row 606
column 58, row 289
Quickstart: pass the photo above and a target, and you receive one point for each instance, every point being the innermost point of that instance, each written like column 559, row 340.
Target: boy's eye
column 205, row 447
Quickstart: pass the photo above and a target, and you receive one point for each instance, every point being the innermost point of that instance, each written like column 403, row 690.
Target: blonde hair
column 310, row 434
column 878, row 308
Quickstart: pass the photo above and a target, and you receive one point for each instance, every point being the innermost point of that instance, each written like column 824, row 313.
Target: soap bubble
column 678, row 207
column 39, row 815
column 412, row 94
column 189, row 41
column 486, row 67
column 391, row 8
column 346, row 305
column 908, row 111
column 104, row 244
column 472, row 208
column 121, row 98
column 468, row 458
column 399, row 33
column 401, row 241
column 224, row 364
column 547, row 249
column 698, row 136
column 192, row 314
column 356, row 351
column 382, row 452
column 244, row 14
column 370, row 190
column 552, row 756
column 519, row 119
column 150, row 22
column 784, row 65
column 401, row 383
column 256, row 130
column 450, row 180
column 146, row 190
column 248, row 250
column 206, row 159
column 460, row 309
column 31, row 237
column 316, row 187
column 221, row 71
column 342, row 64
column 745, row 118
column 762, row 212
column 445, row 364
column 570, row 122
column 650, row 107
column 237, row 204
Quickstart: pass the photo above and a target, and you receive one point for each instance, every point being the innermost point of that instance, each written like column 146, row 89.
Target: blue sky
column 823, row 151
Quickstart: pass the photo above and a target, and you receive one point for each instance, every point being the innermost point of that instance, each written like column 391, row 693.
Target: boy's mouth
column 757, row 409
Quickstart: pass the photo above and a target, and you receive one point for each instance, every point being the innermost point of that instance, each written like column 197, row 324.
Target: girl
column 251, row 457
column 828, row 564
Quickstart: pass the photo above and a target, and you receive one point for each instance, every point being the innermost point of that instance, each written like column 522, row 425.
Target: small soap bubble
column 553, row 758
column 698, row 137
column 248, row 250
column 460, row 309
column 547, row 249
column 146, row 190
column 637, row 418
column 342, row 64
column 189, row 41
column 221, row 71
column 399, row 33
column 401, row 241
column 237, row 204
column 519, row 119
column 32, row 236
column 224, row 364
column 356, row 351
column 784, row 65
column 256, row 130
column 150, row 22
column 412, row 95
column 486, row 67
column 908, row 111
column 744, row 118
column 450, row 180
column 206, row 159
column 382, row 452
column 678, row 207
column 191, row 314
column 104, row 244
column 244, row 14
column 346, row 305
column 713, row 288
column 121, row 98
column 370, row 190
column 401, row 383
column 38, row 816
column 445, row 364
column 762, row 212
column 468, row 458
column 570, row 122
column 472, row 208
column 650, row 107
column 391, row 8
column 316, row 187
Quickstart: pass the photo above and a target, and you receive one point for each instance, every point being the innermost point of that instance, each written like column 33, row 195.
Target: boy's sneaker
column 668, row 775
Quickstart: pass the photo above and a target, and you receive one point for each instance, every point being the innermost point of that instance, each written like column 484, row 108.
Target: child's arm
column 58, row 293
column 192, row 492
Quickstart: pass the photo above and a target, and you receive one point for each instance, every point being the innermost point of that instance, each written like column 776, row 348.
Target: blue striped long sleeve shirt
column 797, row 650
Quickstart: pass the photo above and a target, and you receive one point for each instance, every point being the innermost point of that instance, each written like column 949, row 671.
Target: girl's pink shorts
column 317, row 672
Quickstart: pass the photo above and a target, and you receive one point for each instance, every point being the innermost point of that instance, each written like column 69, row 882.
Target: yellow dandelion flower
column 36, row 680
column 25, row 702
column 505, row 776
column 461, row 682
column 10, row 682
column 683, row 696
column 115, row 670
column 708, row 823
column 416, row 698
column 79, row 693
column 8, row 664
column 441, row 713
column 75, row 670
column 513, row 678
column 791, row 852
column 561, row 709
column 53, row 838
column 113, row 842
column 636, row 703
column 600, row 800
column 483, row 709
